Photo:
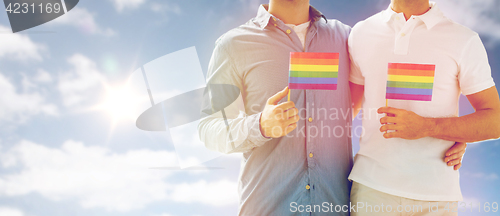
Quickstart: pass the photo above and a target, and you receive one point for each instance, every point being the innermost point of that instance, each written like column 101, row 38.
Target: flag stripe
column 409, row 97
column 409, row 91
column 412, row 66
column 311, row 61
column 419, row 79
column 313, row 74
column 315, row 68
column 411, row 72
column 409, row 85
column 313, row 86
column 312, row 80
column 314, row 55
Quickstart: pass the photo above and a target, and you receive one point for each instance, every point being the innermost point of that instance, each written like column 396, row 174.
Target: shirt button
column 274, row 19
column 275, row 24
column 310, row 119
column 403, row 34
column 288, row 31
column 311, row 155
column 308, row 187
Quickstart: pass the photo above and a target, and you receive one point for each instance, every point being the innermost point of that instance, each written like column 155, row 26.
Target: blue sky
column 61, row 153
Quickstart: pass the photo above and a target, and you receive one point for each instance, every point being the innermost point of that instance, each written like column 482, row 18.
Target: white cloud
column 92, row 175
column 7, row 211
column 164, row 7
column 120, row 5
column 42, row 76
column 18, row 46
column 483, row 176
column 82, row 19
column 97, row 178
column 219, row 193
column 18, row 107
column 480, row 15
column 82, row 83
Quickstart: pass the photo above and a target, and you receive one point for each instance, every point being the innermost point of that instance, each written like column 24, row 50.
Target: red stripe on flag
column 314, row 55
column 412, row 66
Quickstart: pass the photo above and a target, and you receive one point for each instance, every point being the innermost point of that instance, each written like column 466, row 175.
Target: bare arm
column 357, row 92
column 483, row 124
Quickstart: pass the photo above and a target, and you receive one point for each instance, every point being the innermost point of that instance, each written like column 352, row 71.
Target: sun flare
column 119, row 103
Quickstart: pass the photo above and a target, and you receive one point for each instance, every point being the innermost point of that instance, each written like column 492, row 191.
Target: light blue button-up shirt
column 305, row 171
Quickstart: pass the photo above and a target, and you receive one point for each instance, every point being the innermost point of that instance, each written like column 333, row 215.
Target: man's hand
column 278, row 120
column 403, row 124
column 454, row 155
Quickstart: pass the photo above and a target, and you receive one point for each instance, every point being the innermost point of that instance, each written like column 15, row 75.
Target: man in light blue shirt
column 285, row 175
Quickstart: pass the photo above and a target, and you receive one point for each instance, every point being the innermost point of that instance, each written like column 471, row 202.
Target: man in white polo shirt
column 399, row 167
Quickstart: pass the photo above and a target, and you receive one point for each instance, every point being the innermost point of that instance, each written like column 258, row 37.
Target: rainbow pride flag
column 310, row 70
column 410, row 81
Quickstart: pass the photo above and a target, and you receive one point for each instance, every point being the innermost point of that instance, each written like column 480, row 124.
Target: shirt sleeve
column 224, row 126
column 474, row 70
column 355, row 75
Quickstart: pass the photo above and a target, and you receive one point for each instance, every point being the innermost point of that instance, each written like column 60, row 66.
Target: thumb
column 273, row 100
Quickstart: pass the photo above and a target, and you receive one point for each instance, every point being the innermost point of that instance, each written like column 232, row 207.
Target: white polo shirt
column 413, row 168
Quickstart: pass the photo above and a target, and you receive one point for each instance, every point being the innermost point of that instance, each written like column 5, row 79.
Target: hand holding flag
column 278, row 120
column 407, row 82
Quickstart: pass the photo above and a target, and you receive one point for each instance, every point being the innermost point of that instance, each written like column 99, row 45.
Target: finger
column 286, row 105
column 453, row 162
column 388, row 110
column 292, row 120
column 391, row 135
column 387, row 127
column 457, row 147
column 385, row 120
column 456, row 167
column 292, row 112
column 290, row 128
column 454, row 156
column 273, row 100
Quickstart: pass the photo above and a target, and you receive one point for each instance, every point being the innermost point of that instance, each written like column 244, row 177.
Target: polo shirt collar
column 430, row 18
column 264, row 17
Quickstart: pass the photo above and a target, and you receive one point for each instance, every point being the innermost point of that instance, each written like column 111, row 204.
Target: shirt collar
column 263, row 16
column 430, row 18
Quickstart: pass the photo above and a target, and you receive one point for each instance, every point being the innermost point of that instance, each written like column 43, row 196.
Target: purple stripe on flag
column 413, row 91
column 312, row 86
column 408, row 97
column 312, row 80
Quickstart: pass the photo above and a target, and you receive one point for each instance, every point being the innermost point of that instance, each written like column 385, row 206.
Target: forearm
column 357, row 92
column 478, row 126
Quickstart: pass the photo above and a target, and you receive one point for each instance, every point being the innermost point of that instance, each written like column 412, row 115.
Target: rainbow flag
column 410, row 81
column 310, row 70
